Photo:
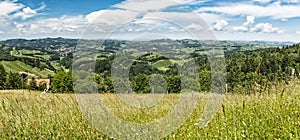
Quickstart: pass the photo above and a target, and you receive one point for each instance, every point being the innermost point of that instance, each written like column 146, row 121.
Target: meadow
column 17, row 66
column 271, row 114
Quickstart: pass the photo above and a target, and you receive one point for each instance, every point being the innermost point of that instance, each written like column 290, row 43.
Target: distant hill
column 45, row 44
column 44, row 57
column 262, row 62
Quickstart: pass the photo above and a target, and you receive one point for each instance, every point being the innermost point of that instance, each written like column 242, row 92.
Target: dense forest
column 249, row 68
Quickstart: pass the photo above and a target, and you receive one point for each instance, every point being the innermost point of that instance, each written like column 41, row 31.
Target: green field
column 272, row 114
column 17, row 66
column 163, row 65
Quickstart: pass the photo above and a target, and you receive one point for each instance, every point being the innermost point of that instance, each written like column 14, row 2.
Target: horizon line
column 174, row 39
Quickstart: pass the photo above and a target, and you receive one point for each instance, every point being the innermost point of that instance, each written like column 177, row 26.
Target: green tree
column 13, row 81
column 174, row 83
column 62, row 83
column 205, row 80
column 104, row 84
column 141, row 84
column 2, row 77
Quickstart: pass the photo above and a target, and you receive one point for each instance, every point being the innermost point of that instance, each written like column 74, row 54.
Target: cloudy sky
column 274, row 20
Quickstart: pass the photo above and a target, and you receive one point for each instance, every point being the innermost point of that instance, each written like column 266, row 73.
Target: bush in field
column 141, row 84
column 104, row 84
column 173, row 84
column 62, row 82
column 2, row 76
column 13, row 81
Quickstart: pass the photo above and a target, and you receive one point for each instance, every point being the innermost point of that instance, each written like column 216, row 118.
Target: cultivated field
column 17, row 66
column 273, row 114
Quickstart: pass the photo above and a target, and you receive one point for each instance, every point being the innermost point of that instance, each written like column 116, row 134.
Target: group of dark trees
column 272, row 65
column 9, row 80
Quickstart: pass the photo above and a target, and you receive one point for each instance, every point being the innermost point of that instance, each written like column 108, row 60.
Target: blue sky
column 275, row 20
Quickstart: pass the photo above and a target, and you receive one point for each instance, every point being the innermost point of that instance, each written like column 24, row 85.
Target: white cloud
column 19, row 28
column 246, row 25
column 173, row 29
column 188, row 1
column 130, row 12
column 262, row 1
column 152, row 5
column 12, row 9
column 140, row 11
column 167, row 21
column 2, row 32
column 258, row 28
column 18, row 25
column 111, row 17
column 240, row 28
column 291, row 1
column 25, row 13
column 34, row 27
column 265, row 28
column 220, row 25
column 147, row 16
column 145, row 5
column 250, row 20
column 137, row 15
column 28, row 10
column 8, row 7
column 65, row 24
column 194, row 27
column 298, row 32
column 284, row 20
column 275, row 10
column 62, row 24
column 182, row 19
column 210, row 18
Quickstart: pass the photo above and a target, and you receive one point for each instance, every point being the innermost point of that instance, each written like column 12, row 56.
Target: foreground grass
column 57, row 116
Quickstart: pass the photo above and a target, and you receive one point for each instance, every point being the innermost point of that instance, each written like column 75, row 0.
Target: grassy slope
column 16, row 66
column 261, row 116
column 163, row 64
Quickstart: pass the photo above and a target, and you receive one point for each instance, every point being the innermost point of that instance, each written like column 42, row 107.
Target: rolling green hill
column 45, row 57
column 17, row 66
column 42, row 57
